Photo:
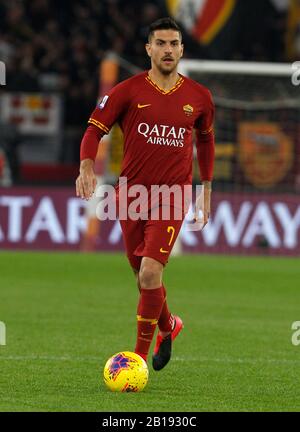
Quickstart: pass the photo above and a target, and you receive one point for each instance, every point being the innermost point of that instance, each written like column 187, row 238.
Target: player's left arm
column 205, row 144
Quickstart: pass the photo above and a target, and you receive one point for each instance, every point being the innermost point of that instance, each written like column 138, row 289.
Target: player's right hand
column 86, row 182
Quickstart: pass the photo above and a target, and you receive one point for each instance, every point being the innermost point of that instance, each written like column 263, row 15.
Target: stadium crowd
column 59, row 44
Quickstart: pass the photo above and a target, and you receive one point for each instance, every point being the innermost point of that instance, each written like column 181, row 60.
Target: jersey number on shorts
column 171, row 230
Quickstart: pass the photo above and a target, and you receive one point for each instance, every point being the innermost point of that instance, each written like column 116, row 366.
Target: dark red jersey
column 157, row 128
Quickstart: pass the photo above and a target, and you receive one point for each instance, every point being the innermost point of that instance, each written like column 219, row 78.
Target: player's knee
column 149, row 277
column 150, row 274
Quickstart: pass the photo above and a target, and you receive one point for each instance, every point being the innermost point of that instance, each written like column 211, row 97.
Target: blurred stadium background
column 60, row 57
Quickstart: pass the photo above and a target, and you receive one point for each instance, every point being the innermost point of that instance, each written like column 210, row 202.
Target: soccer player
column 157, row 111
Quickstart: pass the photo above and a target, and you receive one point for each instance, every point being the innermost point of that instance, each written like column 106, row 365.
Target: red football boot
column 163, row 346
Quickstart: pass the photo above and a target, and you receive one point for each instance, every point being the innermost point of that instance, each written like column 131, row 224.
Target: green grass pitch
column 65, row 314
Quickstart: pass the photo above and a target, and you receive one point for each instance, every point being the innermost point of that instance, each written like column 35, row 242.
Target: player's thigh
column 160, row 237
column 133, row 237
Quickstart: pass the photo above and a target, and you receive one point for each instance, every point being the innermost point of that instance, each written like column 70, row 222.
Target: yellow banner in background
column 172, row 6
column 293, row 30
column 116, row 150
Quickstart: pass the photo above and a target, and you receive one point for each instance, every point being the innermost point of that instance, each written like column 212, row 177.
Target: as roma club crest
column 188, row 110
column 265, row 153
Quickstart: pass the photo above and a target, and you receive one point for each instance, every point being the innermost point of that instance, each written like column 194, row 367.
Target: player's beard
column 167, row 71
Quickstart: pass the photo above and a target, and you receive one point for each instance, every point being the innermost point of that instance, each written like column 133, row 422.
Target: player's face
column 165, row 50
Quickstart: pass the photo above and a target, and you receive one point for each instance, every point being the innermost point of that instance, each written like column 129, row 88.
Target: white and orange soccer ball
column 126, row 372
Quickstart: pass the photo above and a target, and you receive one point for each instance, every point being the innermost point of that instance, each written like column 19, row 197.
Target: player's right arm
column 86, row 181
column 107, row 112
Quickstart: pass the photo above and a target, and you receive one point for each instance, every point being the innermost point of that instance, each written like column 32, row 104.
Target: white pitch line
column 93, row 359
column 236, row 360
column 49, row 358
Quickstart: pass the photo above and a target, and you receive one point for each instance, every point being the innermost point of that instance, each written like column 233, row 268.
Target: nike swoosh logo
column 146, row 334
column 143, row 106
column 163, row 251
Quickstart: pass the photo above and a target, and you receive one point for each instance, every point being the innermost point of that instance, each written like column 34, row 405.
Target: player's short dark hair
column 164, row 24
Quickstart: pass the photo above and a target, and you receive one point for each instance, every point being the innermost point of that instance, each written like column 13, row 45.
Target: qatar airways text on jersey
column 162, row 134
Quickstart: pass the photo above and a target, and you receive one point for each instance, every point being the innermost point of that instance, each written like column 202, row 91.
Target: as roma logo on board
column 265, row 153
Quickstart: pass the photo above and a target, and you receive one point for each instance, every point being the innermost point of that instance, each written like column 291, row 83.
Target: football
column 126, row 372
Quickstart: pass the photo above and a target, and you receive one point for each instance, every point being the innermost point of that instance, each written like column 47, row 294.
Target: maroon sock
column 148, row 313
column 165, row 321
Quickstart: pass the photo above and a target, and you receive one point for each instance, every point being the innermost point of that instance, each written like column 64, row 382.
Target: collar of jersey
column 162, row 91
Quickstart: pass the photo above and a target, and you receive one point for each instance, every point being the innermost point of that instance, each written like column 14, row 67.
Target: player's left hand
column 203, row 204
column 206, row 209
